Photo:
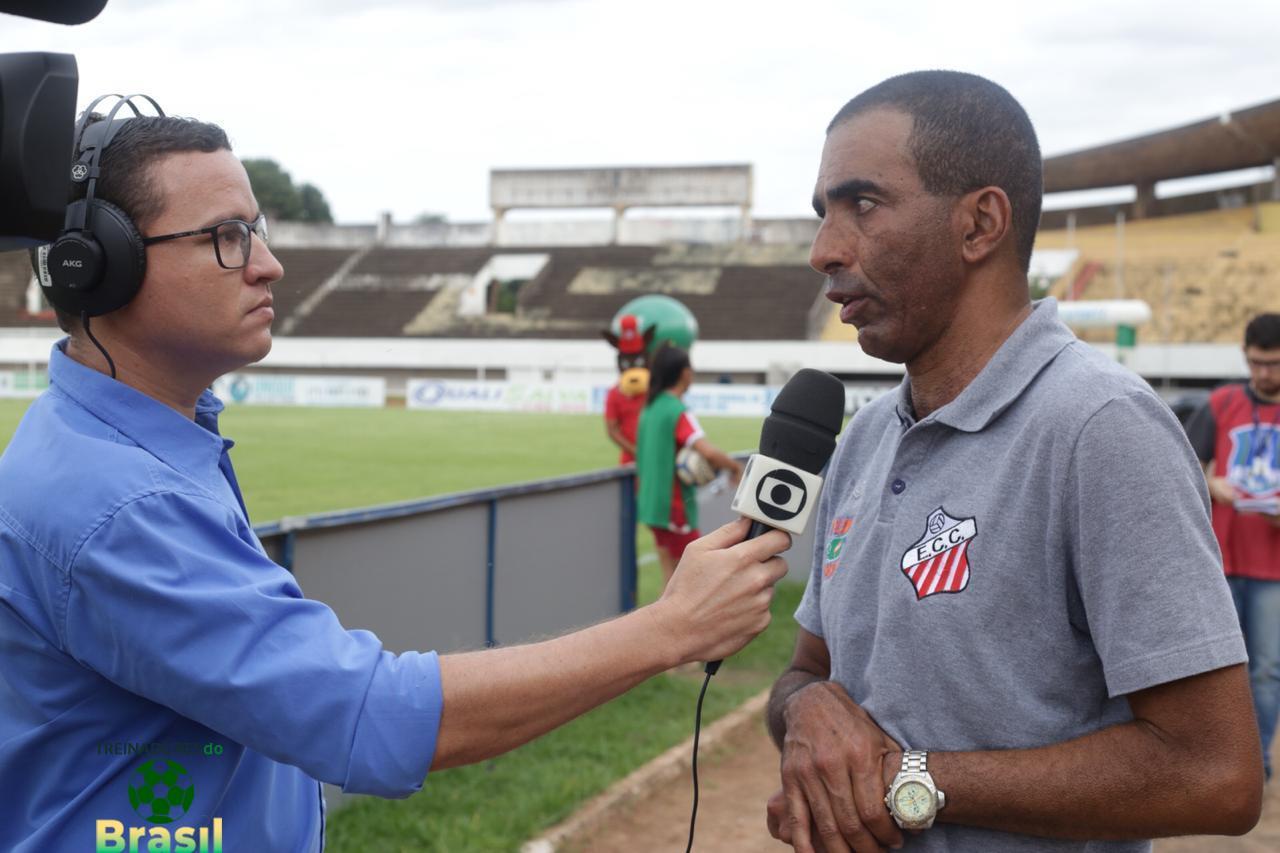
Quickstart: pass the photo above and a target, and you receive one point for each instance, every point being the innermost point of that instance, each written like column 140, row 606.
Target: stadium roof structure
column 1237, row 140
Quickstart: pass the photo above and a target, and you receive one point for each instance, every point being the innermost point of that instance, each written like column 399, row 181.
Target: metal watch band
column 915, row 761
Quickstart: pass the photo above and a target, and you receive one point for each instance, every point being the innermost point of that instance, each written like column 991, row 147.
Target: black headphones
column 98, row 261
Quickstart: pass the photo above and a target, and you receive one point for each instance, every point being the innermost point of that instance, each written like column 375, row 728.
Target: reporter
column 138, row 610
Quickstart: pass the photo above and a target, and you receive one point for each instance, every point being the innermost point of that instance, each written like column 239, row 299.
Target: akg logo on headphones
column 781, row 495
column 73, row 264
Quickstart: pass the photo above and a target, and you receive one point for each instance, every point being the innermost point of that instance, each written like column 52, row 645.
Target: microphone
column 780, row 484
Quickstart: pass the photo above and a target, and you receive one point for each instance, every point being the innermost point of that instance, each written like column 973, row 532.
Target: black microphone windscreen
column 806, row 416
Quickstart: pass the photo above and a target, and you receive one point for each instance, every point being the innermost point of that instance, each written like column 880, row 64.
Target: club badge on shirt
column 840, row 528
column 939, row 561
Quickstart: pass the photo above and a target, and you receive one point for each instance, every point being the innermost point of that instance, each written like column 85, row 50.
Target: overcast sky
column 405, row 105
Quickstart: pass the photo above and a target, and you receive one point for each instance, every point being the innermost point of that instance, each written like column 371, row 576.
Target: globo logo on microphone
column 777, row 494
column 781, row 495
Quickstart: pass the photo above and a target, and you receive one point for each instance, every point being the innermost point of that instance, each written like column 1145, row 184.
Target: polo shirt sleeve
column 167, row 601
column 1147, row 567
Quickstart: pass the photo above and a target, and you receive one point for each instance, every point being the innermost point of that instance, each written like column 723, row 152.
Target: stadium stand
column 1204, row 262
column 737, row 293
column 1204, row 275
column 305, row 271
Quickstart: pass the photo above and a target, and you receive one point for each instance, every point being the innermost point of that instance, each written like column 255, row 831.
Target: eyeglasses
column 232, row 240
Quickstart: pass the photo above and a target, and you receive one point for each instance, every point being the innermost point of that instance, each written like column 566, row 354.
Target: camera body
column 37, row 114
column 777, row 494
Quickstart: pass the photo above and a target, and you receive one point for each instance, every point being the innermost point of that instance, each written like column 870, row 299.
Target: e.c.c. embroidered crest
column 939, row 561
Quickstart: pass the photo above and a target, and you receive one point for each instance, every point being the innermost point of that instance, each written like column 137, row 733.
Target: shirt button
column 898, row 487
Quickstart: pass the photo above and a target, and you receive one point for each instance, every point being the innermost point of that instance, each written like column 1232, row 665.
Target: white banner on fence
column 22, row 383
column 283, row 390
column 457, row 395
column 495, row 396
column 730, row 400
column 755, row 400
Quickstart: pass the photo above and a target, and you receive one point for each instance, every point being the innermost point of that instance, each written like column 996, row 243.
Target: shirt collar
column 194, row 447
column 1035, row 343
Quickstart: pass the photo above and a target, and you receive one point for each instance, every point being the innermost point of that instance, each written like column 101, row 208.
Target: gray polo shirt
column 1001, row 573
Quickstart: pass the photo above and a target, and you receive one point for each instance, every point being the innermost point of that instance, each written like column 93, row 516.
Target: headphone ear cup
column 98, row 270
column 124, row 254
column 71, row 268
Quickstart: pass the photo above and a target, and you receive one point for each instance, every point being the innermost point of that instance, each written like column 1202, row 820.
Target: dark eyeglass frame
column 257, row 226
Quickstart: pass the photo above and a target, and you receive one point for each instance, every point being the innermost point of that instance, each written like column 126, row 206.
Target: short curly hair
column 1263, row 332
column 967, row 133
column 125, row 177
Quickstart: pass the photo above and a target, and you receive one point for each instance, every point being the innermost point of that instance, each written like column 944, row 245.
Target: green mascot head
column 669, row 318
column 639, row 328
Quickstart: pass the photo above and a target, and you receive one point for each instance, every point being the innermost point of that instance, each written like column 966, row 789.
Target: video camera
column 37, row 120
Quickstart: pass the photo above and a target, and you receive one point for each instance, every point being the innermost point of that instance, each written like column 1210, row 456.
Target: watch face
column 913, row 802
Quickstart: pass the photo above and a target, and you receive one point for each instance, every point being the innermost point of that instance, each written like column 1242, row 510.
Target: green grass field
column 298, row 461
column 302, row 461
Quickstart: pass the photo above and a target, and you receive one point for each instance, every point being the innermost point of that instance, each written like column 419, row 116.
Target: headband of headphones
column 98, row 261
column 93, row 139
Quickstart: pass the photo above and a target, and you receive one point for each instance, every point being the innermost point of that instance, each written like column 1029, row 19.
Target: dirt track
column 738, row 778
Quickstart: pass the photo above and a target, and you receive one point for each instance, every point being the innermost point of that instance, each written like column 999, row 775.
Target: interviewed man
column 136, row 604
column 1016, row 635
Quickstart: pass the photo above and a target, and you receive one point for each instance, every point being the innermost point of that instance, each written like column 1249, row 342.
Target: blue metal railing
column 282, row 534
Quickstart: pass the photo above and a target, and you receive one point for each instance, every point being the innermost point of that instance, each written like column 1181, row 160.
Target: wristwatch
column 913, row 799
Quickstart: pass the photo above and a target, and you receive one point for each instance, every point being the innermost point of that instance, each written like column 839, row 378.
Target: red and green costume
column 665, row 503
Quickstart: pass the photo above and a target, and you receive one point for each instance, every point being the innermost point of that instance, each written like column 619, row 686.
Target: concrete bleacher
column 737, row 293
column 384, row 290
column 736, row 301
column 304, row 271
column 1204, row 275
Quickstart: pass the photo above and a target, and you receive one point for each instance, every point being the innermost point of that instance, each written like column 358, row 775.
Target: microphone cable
column 697, row 729
column 796, row 443
column 84, row 321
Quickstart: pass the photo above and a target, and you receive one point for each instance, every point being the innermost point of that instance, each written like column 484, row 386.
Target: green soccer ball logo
column 161, row 791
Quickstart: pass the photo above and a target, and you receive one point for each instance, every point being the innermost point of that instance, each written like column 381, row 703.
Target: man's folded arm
column 1186, row 764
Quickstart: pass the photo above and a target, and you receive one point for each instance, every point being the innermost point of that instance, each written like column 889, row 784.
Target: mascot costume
column 637, row 330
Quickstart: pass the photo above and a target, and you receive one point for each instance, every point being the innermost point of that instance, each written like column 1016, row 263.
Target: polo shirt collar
column 1035, row 343
column 192, row 447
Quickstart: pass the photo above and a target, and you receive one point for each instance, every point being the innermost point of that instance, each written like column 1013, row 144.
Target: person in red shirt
column 1236, row 434
column 621, row 418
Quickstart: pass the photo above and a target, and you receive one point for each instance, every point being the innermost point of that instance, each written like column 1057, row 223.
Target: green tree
column 274, row 189
column 280, row 198
column 314, row 206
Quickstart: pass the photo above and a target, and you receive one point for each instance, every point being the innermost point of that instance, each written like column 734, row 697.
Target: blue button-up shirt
column 141, row 621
